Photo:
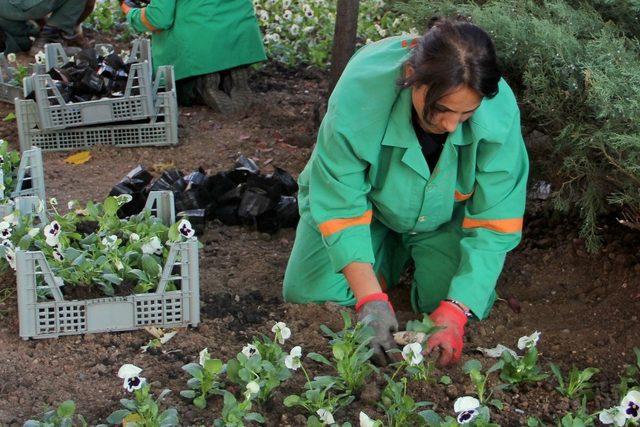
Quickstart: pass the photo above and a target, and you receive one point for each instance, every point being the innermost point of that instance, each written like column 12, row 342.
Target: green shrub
column 578, row 78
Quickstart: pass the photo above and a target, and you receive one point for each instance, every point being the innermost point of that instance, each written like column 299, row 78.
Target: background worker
column 420, row 158
column 48, row 21
column 210, row 43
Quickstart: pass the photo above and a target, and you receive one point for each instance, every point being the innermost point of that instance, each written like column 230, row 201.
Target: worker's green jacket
column 368, row 163
column 200, row 36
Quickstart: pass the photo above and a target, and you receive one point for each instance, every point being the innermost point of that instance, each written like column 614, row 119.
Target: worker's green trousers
column 310, row 278
column 16, row 19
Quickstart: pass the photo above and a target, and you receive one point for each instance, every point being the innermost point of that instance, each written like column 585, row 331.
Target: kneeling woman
column 419, row 157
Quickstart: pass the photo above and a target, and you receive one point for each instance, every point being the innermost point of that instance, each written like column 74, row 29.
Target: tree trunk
column 344, row 38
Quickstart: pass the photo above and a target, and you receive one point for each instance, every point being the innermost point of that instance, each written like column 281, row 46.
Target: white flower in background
column 131, row 375
column 110, row 242
column 71, row 204
column 294, row 30
column 287, row 15
column 134, row 237
column 380, row 30
column 57, row 254
column 10, row 256
column 466, row 408
column 52, row 233
column 185, row 229
column 286, row 4
column 40, row 57
column 282, row 332
column 325, row 416
column 11, row 57
column 5, row 230
column 7, row 244
column 153, row 246
column 33, row 232
column 413, row 353
column 203, row 357
column 366, row 421
column 263, row 15
column 613, row 415
column 308, row 12
column 630, row 405
column 250, row 350
column 275, row 37
column 53, row 201
column 528, row 341
column 292, row 361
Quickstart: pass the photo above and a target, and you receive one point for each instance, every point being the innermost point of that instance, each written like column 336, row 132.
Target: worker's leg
column 437, row 258
column 65, row 15
column 209, row 87
column 16, row 34
column 310, row 276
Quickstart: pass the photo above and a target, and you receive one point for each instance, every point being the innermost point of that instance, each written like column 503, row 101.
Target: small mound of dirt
column 251, row 308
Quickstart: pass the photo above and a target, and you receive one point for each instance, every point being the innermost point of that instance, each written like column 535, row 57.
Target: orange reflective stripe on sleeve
column 332, row 226
column 124, row 8
column 145, row 21
column 510, row 225
column 461, row 197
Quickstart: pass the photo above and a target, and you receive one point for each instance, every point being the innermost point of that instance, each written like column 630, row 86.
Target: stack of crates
column 146, row 114
column 8, row 90
column 29, row 182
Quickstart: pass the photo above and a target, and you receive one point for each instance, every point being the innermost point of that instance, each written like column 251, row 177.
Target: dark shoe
column 47, row 35
column 2, row 45
column 241, row 95
column 210, row 90
column 77, row 40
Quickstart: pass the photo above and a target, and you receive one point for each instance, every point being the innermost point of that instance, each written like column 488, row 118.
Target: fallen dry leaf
column 78, row 158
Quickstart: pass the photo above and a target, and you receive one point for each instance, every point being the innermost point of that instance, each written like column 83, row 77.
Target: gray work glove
column 381, row 318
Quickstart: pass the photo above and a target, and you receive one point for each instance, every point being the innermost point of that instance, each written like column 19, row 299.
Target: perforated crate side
column 31, row 171
column 8, row 91
column 159, row 131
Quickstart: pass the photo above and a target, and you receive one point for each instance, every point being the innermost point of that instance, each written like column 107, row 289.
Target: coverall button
column 412, row 233
column 422, row 218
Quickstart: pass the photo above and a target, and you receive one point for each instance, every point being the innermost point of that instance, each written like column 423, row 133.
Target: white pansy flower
column 153, row 246
column 134, row 237
column 292, row 361
column 131, row 375
column 287, row 15
column 123, row 199
column 57, row 254
column 466, row 408
column 5, row 230
column 71, row 204
column 366, row 421
column 282, row 332
column 250, row 350
column 11, row 57
column 413, row 353
column 40, row 57
column 263, row 15
column 294, row 30
column 7, row 244
column 185, row 229
column 613, row 415
column 110, row 242
column 325, row 416
column 53, row 201
column 203, row 356
column 10, row 256
column 630, row 405
column 528, row 341
column 33, row 232
column 253, row 388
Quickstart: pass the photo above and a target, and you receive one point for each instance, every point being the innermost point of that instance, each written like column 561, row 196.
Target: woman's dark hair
column 453, row 53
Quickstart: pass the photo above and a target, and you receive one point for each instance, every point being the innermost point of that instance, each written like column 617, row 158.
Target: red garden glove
column 448, row 340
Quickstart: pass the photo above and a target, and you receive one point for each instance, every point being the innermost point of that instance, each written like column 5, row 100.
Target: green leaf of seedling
column 255, row 417
column 292, row 400
column 431, row 417
column 319, row 358
column 472, row 365
column 340, row 351
column 129, row 404
column 168, row 418
column 117, row 416
column 195, row 370
column 445, row 379
column 213, row 366
column 497, row 403
column 150, row 265
column 112, row 278
column 200, row 402
column 9, row 117
column 189, row 394
column 66, row 408
column 110, row 206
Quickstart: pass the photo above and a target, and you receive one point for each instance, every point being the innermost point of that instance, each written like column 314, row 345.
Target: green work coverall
column 17, row 19
column 367, row 194
column 200, row 36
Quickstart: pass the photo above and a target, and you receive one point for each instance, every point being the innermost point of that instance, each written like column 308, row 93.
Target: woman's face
column 449, row 111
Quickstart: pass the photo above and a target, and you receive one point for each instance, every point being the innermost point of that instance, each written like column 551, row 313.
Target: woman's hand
column 448, row 340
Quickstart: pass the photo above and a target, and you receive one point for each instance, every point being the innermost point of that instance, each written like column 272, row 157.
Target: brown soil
column 585, row 305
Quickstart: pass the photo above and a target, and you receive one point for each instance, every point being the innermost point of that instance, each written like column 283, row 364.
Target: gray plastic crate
column 8, row 91
column 162, row 308
column 30, row 170
column 160, row 130
column 136, row 103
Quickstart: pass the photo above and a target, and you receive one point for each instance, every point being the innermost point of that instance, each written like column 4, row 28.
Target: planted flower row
column 263, row 365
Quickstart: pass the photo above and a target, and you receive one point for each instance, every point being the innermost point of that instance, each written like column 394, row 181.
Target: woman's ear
column 408, row 71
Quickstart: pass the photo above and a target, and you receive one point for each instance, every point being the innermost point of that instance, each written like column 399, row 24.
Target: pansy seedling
column 52, row 233
column 153, row 246
column 5, row 230
column 57, row 254
column 292, row 361
column 282, row 332
column 466, row 408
